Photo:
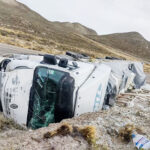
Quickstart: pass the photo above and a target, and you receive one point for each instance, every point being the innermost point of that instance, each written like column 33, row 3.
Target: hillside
column 19, row 16
column 25, row 23
column 19, row 22
column 132, row 43
column 25, row 28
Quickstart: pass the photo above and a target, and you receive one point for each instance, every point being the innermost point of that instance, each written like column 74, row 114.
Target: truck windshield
column 45, row 92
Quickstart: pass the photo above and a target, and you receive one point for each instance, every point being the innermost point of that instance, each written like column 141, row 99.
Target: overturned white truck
column 38, row 90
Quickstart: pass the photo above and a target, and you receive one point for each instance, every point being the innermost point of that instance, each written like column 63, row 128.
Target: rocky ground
column 131, row 108
column 148, row 78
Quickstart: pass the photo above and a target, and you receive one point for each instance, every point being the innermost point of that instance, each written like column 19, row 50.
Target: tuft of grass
column 8, row 124
column 147, row 68
column 62, row 130
column 89, row 133
column 126, row 132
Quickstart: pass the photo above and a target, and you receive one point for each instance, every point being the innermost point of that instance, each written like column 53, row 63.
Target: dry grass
column 126, row 132
column 28, row 41
column 131, row 43
column 8, row 124
column 75, row 43
column 25, row 40
column 147, row 68
column 62, row 130
column 87, row 132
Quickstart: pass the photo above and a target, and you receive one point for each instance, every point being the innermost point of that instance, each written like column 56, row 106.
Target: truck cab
column 39, row 90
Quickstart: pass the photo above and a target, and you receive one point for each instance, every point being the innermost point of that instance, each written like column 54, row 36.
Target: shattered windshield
column 45, row 93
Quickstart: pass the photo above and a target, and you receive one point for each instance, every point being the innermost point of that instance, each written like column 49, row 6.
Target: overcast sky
column 104, row 16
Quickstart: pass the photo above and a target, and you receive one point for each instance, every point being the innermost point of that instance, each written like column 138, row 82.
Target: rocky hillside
column 131, row 42
column 17, row 15
column 75, row 27
column 23, row 27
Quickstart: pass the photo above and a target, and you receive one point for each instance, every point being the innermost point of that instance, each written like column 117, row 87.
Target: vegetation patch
column 87, row 132
column 6, row 124
column 147, row 68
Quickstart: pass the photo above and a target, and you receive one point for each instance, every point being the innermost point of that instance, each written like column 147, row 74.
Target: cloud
column 105, row 16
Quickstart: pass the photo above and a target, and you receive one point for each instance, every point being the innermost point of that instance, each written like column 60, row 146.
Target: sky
column 104, row 16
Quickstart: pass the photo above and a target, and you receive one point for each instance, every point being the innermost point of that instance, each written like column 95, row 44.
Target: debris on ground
column 140, row 142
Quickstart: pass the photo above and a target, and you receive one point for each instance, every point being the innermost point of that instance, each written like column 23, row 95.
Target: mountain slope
column 19, row 16
column 76, row 27
column 132, row 43
column 30, row 27
column 23, row 27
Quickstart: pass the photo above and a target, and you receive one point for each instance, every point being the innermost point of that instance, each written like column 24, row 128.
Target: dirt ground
column 133, row 108
column 148, row 78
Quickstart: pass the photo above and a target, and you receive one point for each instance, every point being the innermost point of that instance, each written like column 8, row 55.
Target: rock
column 112, row 132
